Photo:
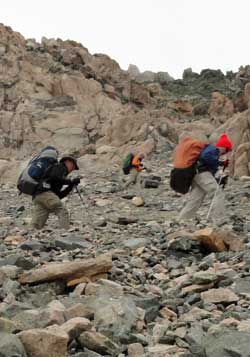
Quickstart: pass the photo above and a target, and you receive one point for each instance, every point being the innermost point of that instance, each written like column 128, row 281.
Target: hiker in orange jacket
column 134, row 174
column 204, row 182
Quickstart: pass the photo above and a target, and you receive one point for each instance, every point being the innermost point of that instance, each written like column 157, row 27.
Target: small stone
column 80, row 289
column 14, row 240
column 168, row 314
column 135, row 243
column 79, row 310
column 204, row 277
column 7, row 325
column 221, row 295
column 244, row 325
column 110, row 287
column 196, row 288
column 162, row 350
column 135, row 349
column 72, row 242
column 31, row 245
column 76, row 326
column 98, row 343
column 138, row 201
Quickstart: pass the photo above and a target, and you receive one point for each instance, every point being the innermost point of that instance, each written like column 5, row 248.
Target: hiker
column 204, row 181
column 49, row 192
column 134, row 170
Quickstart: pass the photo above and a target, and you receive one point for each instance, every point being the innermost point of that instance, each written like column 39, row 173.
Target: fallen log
column 68, row 271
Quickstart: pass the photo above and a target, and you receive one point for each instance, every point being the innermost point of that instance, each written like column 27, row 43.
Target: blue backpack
column 36, row 170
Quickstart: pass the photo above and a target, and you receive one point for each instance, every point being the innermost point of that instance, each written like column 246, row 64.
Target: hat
column 70, row 158
column 224, row 142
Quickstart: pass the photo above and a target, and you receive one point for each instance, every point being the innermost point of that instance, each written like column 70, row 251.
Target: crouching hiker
column 201, row 163
column 133, row 167
column 46, row 187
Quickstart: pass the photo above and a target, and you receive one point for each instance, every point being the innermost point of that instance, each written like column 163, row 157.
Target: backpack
column 127, row 163
column 36, row 170
column 186, row 155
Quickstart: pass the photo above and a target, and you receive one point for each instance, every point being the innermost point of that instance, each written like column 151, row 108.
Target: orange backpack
column 187, row 152
column 186, row 155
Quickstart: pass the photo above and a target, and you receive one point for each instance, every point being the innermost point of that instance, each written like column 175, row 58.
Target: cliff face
column 56, row 92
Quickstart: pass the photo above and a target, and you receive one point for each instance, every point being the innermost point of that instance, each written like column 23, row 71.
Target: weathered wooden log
column 68, row 271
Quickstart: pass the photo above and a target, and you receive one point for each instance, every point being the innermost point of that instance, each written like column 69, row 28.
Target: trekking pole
column 214, row 197
column 86, row 208
column 80, row 196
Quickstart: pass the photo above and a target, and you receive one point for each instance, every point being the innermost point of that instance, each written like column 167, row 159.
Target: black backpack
column 36, row 170
column 181, row 179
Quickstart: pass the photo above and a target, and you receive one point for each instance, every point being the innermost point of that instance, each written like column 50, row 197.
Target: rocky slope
column 153, row 288
column 56, row 92
column 128, row 280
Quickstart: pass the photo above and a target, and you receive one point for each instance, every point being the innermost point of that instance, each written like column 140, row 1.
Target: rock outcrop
column 56, row 92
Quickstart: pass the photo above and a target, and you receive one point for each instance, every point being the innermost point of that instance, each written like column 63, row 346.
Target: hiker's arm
column 57, row 175
column 66, row 191
column 211, row 160
column 224, row 163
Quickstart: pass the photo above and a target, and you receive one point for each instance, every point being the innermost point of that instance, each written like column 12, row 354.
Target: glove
column 224, row 163
column 222, row 181
column 76, row 181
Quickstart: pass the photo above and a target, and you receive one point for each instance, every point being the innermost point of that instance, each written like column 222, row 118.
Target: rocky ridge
column 56, row 92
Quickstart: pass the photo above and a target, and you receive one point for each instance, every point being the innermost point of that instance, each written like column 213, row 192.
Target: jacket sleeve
column 66, row 191
column 58, row 174
column 210, row 158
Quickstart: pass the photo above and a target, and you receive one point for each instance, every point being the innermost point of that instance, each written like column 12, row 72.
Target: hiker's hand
column 76, row 181
column 225, row 163
column 222, row 181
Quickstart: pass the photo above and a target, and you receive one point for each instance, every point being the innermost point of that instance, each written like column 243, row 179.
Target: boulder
column 114, row 316
column 135, row 350
column 215, row 240
column 221, row 107
column 99, row 343
column 45, row 342
column 10, row 345
column 28, row 319
column 238, row 131
column 74, row 327
column 221, row 295
column 226, row 343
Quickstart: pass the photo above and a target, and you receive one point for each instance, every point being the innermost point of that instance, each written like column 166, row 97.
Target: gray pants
column 46, row 203
column 134, row 178
column 204, row 184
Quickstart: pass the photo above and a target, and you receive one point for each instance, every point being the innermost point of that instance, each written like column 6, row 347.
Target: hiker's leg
column 210, row 185
column 50, row 202
column 132, row 178
column 56, row 206
column 39, row 215
column 139, row 181
column 195, row 199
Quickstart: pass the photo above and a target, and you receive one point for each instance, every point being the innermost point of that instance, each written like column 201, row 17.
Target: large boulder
column 226, row 344
column 45, row 342
column 238, row 131
column 221, row 108
column 11, row 346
